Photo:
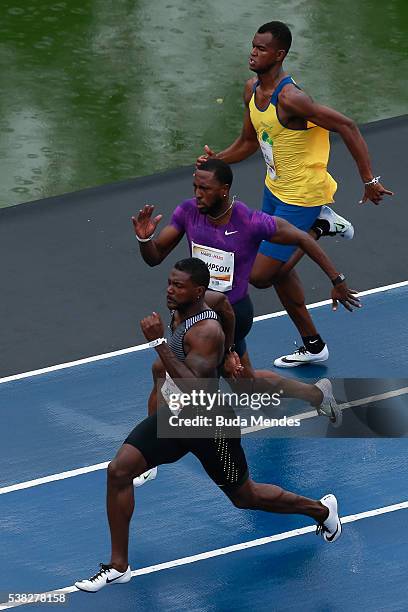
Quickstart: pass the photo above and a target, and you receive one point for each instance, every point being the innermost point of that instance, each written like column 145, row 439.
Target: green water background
column 96, row 91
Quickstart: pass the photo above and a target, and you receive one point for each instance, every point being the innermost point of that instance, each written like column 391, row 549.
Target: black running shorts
column 223, row 458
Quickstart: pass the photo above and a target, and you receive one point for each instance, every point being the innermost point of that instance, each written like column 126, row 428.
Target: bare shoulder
column 248, row 89
column 214, row 299
column 210, row 327
column 292, row 95
column 207, row 330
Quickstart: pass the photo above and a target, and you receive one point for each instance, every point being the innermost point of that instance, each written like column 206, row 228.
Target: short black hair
column 280, row 31
column 221, row 170
column 197, row 269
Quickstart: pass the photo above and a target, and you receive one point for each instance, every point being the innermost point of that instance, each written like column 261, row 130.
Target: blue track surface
column 57, row 532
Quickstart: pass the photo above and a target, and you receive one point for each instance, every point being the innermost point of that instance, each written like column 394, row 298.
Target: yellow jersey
column 296, row 160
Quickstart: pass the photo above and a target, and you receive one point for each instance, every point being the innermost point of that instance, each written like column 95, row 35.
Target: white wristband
column 373, row 181
column 144, row 239
column 157, row 342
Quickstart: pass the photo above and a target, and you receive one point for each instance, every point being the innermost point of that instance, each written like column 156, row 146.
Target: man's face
column 181, row 291
column 265, row 53
column 209, row 193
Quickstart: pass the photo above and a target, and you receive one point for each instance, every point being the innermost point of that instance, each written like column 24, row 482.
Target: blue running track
column 56, row 532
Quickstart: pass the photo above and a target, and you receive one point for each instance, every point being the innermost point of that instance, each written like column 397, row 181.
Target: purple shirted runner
column 232, row 247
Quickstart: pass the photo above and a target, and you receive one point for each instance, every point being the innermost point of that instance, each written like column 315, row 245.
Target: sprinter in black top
column 201, row 349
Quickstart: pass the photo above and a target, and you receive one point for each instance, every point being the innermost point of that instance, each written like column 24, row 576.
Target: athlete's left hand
column 341, row 293
column 152, row 327
column 375, row 193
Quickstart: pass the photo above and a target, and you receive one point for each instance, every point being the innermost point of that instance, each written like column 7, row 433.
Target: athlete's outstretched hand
column 143, row 224
column 152, row 327
column 375, row 193
column 232, row 366
column 341, row 293
column 208, row 153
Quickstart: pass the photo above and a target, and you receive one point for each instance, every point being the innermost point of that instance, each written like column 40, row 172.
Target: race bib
column 265, row 142
column 220, row 264
column 170, row 392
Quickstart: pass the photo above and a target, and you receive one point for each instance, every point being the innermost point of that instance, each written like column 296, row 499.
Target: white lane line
column 53, row 477
column 281, row 313
column 246, row 430
column 312, row 413
column 210, row 554
column 142, row 347
column 72, row 364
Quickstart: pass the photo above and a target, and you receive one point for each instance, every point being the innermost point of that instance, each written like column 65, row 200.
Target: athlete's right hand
column 375, row 193
column 347, row 297
column 208, row 153
column 143, row 224
column 232, row 366
column 152, row 327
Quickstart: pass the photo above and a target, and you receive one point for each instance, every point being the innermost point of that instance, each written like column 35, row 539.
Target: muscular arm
column 295, row 103
column 204, row 345
column 154, row 251
column 286, row 233
column 246, row 144
column 144, row 226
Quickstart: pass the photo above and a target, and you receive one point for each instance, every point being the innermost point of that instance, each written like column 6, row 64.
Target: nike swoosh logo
column 340, row 226
column 330, row 538
column 292, row 360
column 229, row 233
column 146, row 476
column 313, row 341
column 113, row 579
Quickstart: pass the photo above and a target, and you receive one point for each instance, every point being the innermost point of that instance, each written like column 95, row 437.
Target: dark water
column 95, row 91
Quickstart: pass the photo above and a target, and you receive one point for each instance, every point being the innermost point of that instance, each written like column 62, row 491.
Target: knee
column 281, row 277
column 244, row 500
column 118, row 474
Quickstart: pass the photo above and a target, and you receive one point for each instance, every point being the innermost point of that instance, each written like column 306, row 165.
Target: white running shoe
column 145, row 477
column 301, row 357
column 328, row 407
column 331, row 528
column 339, row 226
column 106, row 575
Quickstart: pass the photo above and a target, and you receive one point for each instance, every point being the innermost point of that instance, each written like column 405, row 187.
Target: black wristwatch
column 338, row 280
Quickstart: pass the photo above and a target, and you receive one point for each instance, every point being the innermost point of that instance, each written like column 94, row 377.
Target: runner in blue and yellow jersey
column 293, row 133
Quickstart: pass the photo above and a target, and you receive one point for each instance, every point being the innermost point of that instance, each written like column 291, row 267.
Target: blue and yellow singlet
column 296, row 160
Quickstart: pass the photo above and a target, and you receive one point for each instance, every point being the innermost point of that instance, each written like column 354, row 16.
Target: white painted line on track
column 247, row 430
column 281, row 313
column 72, row 364
column 142, row 347
column 312, row 413
column 54, row 477
column 218, row 552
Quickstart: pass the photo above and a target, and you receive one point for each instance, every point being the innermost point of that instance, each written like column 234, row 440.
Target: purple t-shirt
column 242, row 236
